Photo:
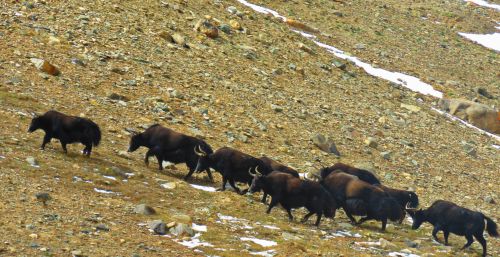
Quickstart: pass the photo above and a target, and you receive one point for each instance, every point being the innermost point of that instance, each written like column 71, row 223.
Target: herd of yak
column 358, row 192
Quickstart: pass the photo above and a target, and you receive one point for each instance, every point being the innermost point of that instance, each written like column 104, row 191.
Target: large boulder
column 477, row 114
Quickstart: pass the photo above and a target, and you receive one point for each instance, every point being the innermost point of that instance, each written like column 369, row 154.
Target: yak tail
column 491, row 227
column 94, row 133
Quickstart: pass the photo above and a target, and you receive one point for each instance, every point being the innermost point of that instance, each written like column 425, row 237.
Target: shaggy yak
column 68, row 129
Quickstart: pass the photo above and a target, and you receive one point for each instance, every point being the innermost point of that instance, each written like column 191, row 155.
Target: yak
column 276, row 166
column 359, row 198
column 168, row 145
column 451, row 218
column 232, row 164
column 68, row 129
column 364, row 175
column 403, row 197
column 292, row 192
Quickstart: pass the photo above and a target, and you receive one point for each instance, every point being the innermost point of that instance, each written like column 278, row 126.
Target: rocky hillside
column 251, row 84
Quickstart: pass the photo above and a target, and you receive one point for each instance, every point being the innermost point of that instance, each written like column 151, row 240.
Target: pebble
column 179, row 39
column 45, row 66
column 102, row 227
column 144, row 209
column 43, row 197
column 169, row 185
column 276, row 108
column 77, row 253
column 371, row 142
column 158, row 227
column 32, row 161
column 386, row 155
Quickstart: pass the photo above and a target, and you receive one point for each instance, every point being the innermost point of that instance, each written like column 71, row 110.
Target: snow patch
column 271, row 227
column 2, row 157
column 240, row 223
column 204, row 188
column 104, row 191
column 399, row 254
column 263, row 10
column 268, row 253
column 491, row 41
column 262, row 242
column 194, row 242
column 110, row 177
column 199, row 228
column 344, row 233
column 485, row 4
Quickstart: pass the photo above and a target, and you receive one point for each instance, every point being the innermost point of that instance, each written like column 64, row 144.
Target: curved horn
column 250, row 172
column 196, row 152
column 257, row 170
column 201, row 150
column 408, row 208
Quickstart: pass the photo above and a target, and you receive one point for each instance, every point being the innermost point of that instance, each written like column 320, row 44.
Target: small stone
column 144, row 209
column 489, row 199
column 102, row 227
column 225, row 28
column 171, row 224
column 32, row 161
column 411, row 108
column 483, row 92
column 386, row 155
column 179, row 39
column 165, row 35
column 360, row 46
column 339, row 64
column 169, row 185
column 43, row 197
column 117, row 97
column 276, row 108
column 386, row 244
column 413, row 244
column 438, row 178
column 209, row 30
column 232, row 10
column 290, row 237
column 326, row 144
column 124, row 154
column 182, row 230
column 77, row 253
column 158, row 227
column 371, row 142
column 235, row 25
column 45, row 66
column 305, row 48
column 34, row 236
column 470, row 149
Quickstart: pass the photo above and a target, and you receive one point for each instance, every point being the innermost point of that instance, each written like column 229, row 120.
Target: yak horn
column 201, row 150
column 250, row 172
column 257, row 170
column 408, row 208
column 196, row 152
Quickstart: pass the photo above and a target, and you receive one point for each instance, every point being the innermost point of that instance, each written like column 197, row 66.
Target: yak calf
column 451, row 218
column 68, row 129
column 292, row 192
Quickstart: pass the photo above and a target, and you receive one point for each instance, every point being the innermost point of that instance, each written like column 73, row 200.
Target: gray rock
column 32, row 161
column 102, row 227
column 144, row 209
column 339, row 64
column 371, row 142
column 225, row 28
column 326, row 144
column 232, row 10
column 470, row 149
column 412, row 244
column 43, row 197
column 276, row 108
column 179, row 39
column 77, row 253
column 483, row 92
column 386, row 155
column 158, row 226
column 360, row 46
column 182, row 229
column 115, row 96
column 489, row 199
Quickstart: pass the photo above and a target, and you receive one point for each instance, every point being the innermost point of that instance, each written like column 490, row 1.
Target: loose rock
column 326, row 144
column 144, row 209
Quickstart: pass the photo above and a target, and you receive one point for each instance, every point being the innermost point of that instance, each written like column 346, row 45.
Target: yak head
column 257, row 181
column 203, row 159
column 136, row 141
column 36, row 123
column 412, row 200
column 418, row 216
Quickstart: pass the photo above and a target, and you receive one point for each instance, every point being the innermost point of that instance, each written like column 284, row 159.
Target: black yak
column 232, row 164
column 292, row 192
column 364, row 175
column 68, row 129
column 168, row 145
column 359, row 198
column 403, row 197
column 276, row 166
column 451, row 218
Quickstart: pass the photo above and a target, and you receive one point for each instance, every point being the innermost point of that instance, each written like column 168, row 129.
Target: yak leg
column 88, row 149
column 307, row 217
column 318, row 219
column 446, row 234
column 289, row 211
column 470, row 240
column 149, row 153
column 435, row 231
column 264, row 198
column 159, row 157
column 233, row 185
column 46, row 139
column 224, row 181
column 274, row 202
column 480, row 238
column 63, row 144
column 353, row 220
column 209, row 173
column 190, row 173
column 384, row 224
